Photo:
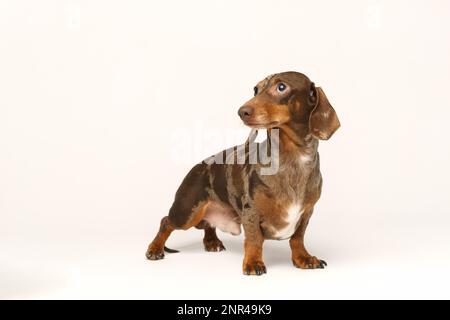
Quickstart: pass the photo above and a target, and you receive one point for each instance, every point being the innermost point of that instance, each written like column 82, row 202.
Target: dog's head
column 290, row 99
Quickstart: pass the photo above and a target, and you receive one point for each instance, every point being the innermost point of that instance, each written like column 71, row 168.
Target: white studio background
column 96, row 95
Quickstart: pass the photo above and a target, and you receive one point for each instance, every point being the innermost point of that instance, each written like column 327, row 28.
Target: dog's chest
column 292, row 188
column 289, row 221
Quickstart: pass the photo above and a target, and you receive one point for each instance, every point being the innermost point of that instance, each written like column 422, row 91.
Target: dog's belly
column 223, row 218
column 289, row 223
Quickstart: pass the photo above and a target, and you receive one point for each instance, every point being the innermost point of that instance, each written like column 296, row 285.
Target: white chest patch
column 294, row 213
column 305, row 159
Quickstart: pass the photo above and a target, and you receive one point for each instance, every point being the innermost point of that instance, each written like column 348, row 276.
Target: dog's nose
column 245, row 112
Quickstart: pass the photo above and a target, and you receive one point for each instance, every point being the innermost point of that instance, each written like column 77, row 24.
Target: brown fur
column 262, row 204
column 210, row 240
column 155, row 250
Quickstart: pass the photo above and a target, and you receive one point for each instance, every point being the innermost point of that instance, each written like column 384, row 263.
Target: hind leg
column 188, row 209
column 155, row 250
column 210, row 240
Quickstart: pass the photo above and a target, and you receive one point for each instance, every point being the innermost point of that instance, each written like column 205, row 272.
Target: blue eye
column 281, row 87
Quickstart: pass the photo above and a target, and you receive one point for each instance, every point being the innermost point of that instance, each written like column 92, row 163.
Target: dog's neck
column 296, row 141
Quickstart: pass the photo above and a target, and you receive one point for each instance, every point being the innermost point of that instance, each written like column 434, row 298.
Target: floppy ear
column 323, row 121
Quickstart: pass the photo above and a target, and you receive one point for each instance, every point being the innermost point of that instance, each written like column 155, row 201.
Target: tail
column 170, row 250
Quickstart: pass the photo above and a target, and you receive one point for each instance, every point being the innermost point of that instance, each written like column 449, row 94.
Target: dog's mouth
column 261, row 125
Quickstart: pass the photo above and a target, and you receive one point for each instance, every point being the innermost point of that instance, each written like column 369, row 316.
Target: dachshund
column 276, row 206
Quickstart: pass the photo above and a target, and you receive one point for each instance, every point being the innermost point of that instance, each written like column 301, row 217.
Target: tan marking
column 197, row 216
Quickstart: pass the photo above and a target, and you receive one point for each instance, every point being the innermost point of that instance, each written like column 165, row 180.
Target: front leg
column 253, row 263
column 300, row 257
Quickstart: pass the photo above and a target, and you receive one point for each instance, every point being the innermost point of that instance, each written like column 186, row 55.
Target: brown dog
column 276, row 206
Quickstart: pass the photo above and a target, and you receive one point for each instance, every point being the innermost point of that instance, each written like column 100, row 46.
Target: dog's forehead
column 290, row 76
column 263, row 83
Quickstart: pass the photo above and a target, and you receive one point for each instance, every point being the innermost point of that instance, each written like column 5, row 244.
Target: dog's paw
column 308, row 262
column 214, row 245
column 254, row 268
column 155, row 253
